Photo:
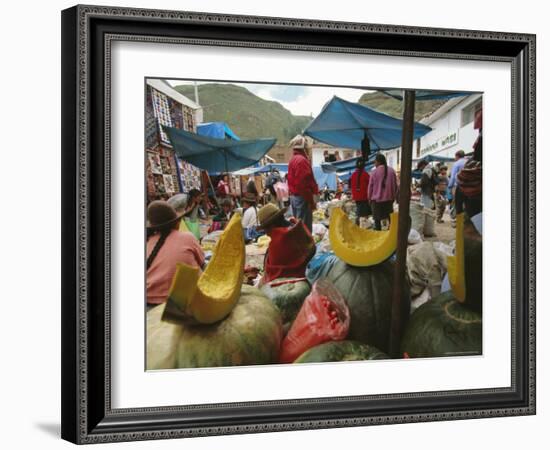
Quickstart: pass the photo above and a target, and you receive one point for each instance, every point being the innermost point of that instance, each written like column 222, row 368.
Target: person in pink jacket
column 383, row 191
column 166, row 247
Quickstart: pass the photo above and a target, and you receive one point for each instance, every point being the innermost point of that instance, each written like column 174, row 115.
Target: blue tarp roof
column 219, row 130
column 435, row 158
column 322, row 178
column 426, row 94
column 217, row 155
column 344, row 124
column 346, row 165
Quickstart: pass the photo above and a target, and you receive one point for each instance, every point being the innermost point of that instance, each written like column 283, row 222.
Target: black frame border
column 87, row 32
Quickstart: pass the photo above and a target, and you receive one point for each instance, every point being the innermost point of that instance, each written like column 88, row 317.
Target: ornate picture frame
column 87, row 35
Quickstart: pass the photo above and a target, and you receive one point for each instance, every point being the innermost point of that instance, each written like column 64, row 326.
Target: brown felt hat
column 249, row 197
column 269, row 214
column 160, row 214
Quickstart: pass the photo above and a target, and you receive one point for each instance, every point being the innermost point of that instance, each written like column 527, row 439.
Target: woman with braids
column 360, row 191
column 167, row 246
column 382, row 192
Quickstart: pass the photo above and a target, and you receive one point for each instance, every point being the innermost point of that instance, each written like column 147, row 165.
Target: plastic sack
column 429, row 222
column 414, row 237
column 417, row 217
column 324, row 316
column 424, row 269
column 320, row 266
column 193, row 227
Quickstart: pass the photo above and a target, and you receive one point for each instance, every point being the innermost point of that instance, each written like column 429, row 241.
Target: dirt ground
column 444, row 231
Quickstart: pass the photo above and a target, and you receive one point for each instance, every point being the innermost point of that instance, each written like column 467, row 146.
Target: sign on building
column 441, row 143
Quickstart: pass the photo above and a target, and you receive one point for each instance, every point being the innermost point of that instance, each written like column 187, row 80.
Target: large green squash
column 443, row 327
column 251, row 334
column 288, row 297
column 368, row 292
column 340, row 351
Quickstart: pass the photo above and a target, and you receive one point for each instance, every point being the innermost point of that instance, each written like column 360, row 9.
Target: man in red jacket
column 360, row 190
column 301, row 183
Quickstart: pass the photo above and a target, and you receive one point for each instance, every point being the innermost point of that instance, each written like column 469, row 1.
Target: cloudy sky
column 299, row 100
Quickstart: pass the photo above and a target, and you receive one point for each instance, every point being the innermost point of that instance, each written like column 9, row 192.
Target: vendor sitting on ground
column 167, row 246
column 250, row 217
column 189, row 206
column 291, row 246
column 220, row 220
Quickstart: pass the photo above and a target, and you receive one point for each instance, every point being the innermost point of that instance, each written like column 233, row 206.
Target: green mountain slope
column 246, row 114
column 389, row 105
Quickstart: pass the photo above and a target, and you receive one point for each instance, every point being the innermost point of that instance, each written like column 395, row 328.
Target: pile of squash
column 450, row 324
column 210, row 319
column 362, row 271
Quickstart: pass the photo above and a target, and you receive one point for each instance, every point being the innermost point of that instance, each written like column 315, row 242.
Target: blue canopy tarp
column 217, row 155
column 219, row 130
column 344, row 124
column 346, row 165
column 431, row 158
column 324, row 179
column 426, row 94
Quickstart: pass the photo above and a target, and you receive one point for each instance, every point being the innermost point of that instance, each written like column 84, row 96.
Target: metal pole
column 213, row 190
column 403, row 228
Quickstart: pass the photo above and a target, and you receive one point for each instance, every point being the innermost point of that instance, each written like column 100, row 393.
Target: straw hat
column 249, row 197
column 178, row 201
column 298, row 141
column 269, row 214
column 160, row 214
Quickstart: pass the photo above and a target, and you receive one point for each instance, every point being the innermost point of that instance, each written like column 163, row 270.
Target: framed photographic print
column 356, row 287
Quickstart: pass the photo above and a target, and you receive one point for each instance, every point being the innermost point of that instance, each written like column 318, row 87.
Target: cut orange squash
column 209, row 297
column 358, row 246
column 455, row 264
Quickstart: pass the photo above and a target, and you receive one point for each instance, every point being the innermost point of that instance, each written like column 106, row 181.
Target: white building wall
column 447, row 135
column 317, row 156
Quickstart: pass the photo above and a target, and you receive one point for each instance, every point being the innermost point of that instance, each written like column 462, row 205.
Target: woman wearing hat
column 250, row 214
column 291, row 246
column 301, row 182
column 166, row 246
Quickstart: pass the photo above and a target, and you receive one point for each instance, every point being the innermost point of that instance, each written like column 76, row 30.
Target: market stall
column 166, row 174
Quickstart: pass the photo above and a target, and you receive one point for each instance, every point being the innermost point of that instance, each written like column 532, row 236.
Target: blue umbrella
column 345, row 124
column 217, row 155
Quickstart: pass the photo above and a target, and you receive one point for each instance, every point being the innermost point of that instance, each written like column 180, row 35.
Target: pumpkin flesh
column 210, row 297
column 465, row 268
column 455, row 264
column 358, row 246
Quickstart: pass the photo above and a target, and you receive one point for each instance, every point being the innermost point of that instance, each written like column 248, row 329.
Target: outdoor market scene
column 290, row 224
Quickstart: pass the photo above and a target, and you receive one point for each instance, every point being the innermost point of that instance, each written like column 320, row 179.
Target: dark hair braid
column 361, row 166
column 163, row 235
column 382, row 160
